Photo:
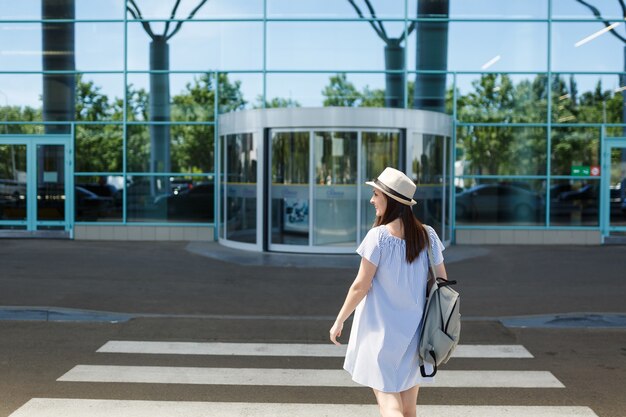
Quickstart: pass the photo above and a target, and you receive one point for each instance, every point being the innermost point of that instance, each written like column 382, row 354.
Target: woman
column 389, row 295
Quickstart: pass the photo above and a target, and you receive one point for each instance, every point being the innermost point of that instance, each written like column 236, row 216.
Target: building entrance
column 317, row 179
column 35, row 184
column 293, row 180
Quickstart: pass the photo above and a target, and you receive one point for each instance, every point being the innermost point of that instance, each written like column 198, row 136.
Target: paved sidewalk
column 206, row 279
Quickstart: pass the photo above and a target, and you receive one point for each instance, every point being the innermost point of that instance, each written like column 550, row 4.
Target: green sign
column 580, row 171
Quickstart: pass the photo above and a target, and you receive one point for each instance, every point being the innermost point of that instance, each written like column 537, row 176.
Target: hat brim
column 399, row 200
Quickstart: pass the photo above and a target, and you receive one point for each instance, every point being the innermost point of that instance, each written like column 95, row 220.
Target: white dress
column 383, row 348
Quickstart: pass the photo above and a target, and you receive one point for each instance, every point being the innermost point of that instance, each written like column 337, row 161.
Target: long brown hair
column 415, row 234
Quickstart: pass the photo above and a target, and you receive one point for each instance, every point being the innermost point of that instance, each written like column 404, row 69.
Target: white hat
column 396, row 185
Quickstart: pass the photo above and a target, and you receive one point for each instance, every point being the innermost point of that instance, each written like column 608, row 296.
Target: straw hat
column 396, row 185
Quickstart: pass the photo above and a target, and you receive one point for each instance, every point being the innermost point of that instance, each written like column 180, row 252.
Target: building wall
column 532, row 88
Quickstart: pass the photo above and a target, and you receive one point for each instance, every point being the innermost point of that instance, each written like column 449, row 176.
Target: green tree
column 137, row 136
column 192, row 145
column 98, row 147
column 502, row 150
column 276, row 102
column 10, row 113
column 341, row 92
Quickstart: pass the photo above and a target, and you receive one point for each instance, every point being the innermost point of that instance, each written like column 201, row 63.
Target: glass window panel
column 333, row 9
column 85, row 9
column 335, row 190
column 494, row 98
column 99, row 97
column 201, row 46
column 191, row 97
column 500, row 202
column 240, row 91
column 25, row 9
column 574, row 49
column 170, row 148
column 378, row 151
column 20, row 99
column 321, row 90
column 582, row 98
column 13, row 182
column 290, row 200
column 170, row 198
column 20, row 46
column 495, row 9
column 12, row 227
column 27, row 129
column 448, row 189
column 241, row 183
column 214, row 9
column 317, row 46
column 98, row 198
column 574, row 147
column 431, row 92
column 95, row 96
column 501, row 150
column 50, row 182
column 496, row 46
column 222, row 188
column 98, row 148
column 102, row 9
column 617, row 184
column 427, row 171
column 99, row 46
column 574, row 202
column 572, row 9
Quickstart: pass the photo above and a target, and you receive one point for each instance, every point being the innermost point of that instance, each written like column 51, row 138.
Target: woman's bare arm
column 358, row 290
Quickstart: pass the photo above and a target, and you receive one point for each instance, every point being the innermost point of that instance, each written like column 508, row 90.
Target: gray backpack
column 441, row 321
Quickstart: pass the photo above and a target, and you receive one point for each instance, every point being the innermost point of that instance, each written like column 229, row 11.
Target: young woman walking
column 389, row 295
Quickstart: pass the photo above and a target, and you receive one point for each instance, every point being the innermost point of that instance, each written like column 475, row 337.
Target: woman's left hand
column 335, row 332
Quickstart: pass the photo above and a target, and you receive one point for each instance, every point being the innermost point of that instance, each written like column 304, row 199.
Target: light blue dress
column 383, row 348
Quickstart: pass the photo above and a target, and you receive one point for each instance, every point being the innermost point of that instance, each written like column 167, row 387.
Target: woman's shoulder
column 375, row 233
column 433, row 237
column 430, row 230
column 384, row 236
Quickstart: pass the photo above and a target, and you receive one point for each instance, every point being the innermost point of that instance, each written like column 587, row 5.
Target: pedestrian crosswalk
column 42, row 407
column 281, row 377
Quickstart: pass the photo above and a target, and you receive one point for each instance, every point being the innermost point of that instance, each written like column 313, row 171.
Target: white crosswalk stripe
column 48, row 407
column 294, row 349
column 295, row 377
column 273, row 377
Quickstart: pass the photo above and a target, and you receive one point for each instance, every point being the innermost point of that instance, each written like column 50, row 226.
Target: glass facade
column 534, row 89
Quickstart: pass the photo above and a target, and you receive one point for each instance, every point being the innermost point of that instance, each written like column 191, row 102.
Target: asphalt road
column 590, row 364
column 177, row 292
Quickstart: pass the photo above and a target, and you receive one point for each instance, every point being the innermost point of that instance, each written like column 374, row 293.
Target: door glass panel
column 335, row 192
column 290, row 188
column 12, row 183
column 618, row 187
column 241, row 164
column 50, row 183
column 427, row 171
column 379, row 150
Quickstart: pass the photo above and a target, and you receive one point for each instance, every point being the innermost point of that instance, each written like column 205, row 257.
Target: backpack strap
column 432, row 275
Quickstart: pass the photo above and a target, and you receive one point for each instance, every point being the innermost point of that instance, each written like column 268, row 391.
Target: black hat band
column 392, row 192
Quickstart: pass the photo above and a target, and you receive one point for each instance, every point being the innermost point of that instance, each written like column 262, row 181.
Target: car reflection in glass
column 499, row 202
column 91, row 206
column 194, row 203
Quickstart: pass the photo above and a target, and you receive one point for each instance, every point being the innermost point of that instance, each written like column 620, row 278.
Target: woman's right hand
column 335, row 332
